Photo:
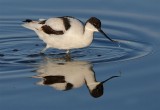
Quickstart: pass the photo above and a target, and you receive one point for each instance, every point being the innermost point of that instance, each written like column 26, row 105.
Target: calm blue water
column 22, row 71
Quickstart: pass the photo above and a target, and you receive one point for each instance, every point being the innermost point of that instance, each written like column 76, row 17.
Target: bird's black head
column 95, row 22
column 96, row 26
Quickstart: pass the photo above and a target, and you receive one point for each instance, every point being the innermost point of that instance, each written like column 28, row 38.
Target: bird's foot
column 41, row 54
column 67, row 57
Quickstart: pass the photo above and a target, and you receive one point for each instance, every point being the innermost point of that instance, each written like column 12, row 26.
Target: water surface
column 23, row 72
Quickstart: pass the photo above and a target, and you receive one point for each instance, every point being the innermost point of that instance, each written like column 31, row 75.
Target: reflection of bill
column 68, row 75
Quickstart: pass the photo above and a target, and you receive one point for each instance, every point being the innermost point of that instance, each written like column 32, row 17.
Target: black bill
column 106, row 35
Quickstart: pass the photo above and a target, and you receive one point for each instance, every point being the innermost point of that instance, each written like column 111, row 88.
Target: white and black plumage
column 65, row 32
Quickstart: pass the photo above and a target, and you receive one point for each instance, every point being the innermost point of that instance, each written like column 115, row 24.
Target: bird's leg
column 67, row 56
column 67, row 51
column 43, row 50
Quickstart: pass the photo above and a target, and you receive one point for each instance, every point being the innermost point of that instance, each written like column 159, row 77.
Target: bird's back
column 60, row 32
column 52, row 25
column 55, row 24
column 69, row 25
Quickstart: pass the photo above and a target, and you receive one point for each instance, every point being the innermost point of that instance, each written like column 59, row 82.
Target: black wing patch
column 47, row 29
column 42, row 22
column 66, row 23
column 66, row 17
column 27, row 20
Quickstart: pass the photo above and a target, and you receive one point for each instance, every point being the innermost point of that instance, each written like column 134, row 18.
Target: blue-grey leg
column 67, row 51
column 43, row 50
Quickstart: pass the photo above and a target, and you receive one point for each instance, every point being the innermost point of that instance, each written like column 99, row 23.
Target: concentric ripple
column 21, row 46
column 25, row 50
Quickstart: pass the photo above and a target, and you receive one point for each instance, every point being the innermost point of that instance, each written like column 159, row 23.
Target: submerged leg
column 67, row 57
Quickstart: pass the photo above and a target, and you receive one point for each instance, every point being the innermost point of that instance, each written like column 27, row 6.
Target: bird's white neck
column 87, row 36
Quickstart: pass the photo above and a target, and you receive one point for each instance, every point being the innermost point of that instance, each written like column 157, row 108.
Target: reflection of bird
column 65, row 32
column 68, row 75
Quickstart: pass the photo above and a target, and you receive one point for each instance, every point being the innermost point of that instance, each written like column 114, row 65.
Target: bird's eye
column 97, row 25
column 94, row 24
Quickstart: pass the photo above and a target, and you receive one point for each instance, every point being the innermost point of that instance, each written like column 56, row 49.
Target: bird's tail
column 30, row 24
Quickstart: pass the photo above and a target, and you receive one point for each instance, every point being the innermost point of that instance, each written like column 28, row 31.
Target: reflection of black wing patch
column 47, row 29
column 68, row 86
column 48, row 80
